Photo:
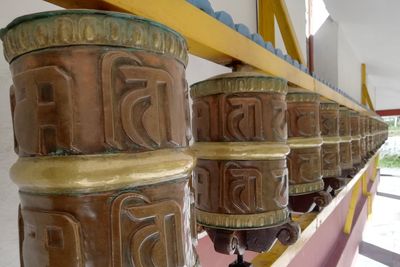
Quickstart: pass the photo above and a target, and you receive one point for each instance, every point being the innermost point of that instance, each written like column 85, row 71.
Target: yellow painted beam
column 266, row 20
column 369, row 207
column 352, row 208
column 365, row 97
column 287, row 30
column 210, row 39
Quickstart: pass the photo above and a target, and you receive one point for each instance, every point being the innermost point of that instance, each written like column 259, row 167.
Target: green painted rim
column 48, row 14
column 19, row 37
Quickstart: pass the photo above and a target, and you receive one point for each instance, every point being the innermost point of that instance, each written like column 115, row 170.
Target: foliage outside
column 390, row 161
column 390, row 156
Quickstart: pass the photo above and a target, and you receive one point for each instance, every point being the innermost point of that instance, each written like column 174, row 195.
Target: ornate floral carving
column 239, row 82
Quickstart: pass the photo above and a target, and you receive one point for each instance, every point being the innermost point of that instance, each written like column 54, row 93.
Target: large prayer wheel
column 306, row 186
column 355, row 140
column 240, row 181
column 346, row 161
column 330, row 152
column 100, row 113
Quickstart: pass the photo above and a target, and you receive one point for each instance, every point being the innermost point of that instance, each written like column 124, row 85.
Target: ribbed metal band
column 242, row 221
column 240, row 150
column 300, row 189
column 239, row 82
column 331, row 139
column 345, row 139
column 90, row 27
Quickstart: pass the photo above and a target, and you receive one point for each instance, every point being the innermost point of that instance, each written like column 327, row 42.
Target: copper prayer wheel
column 363, row 147
column 374, row 131
column 346, row 161
column 100, row 112
column 368, row 137
column 306, row 187
column 240, row 180
column 355, row 140
column 330, row 151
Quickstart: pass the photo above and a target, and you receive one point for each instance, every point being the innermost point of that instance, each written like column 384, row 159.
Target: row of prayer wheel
column 106, row 177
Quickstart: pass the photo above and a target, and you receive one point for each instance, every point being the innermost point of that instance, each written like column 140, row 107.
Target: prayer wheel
column 100, row 113
column 368, row 137
column 371, row 147
column 346, row 162
column 355, row 140
column 363, row 147
column 240, row 180
column 375, row 134
column 306, row 186
column 330, row 151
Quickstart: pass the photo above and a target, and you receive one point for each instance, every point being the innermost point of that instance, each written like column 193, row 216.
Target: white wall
column 336, row 61
column 349, row 68
column 387, row 99
column 297, row 12
column 325, row 51
column 242, row 11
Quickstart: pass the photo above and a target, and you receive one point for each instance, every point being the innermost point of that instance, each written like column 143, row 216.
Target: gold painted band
column 346, row 165
column 345, row 139
column 299, row 189
column 356, row 137
column 240, row 150
column 304, row 142
column 242, row 221
column 331, row 139
column 332, row 173
column 97, row 173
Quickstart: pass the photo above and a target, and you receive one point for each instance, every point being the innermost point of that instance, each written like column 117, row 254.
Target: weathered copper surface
column 363, row 148
column 329, row 122
column 303, row 115
column 355, row 141
column 128, row 101
column 239, row 114
column 144, row 226
column 304, row 160
column 305, row 171
column 346, row 161
column 101, row 121
column 330, row 157
column 241, row 191
column 241, row 187
column 330, row 151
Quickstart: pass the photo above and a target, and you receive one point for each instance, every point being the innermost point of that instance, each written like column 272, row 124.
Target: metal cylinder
column 330, row 152
column 100, row 112
column 304, row 161
column 346, row 161
column 363, row 146
column 240, row 180
column 355, row 140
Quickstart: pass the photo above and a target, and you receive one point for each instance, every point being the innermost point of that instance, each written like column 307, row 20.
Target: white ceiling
column 372, row 28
